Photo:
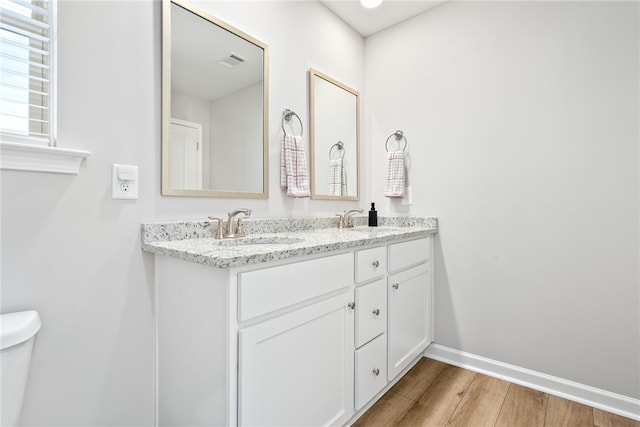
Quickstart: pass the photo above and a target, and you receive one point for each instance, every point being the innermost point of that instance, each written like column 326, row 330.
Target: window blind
column 25, row 71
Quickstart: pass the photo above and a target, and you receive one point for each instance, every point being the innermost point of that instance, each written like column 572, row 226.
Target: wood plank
column 419, row 378
column 386, row 412
column 523, row 407
column 481, row 403
column 436, row 405
column 607, row 419
column 565, row 413
column 459, row 397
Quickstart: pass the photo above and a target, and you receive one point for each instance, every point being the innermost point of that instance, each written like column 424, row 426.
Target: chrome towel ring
column 338, row 146
column 286, row 115
column 398, row 135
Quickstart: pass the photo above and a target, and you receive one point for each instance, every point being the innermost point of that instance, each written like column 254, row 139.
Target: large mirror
column 334, row 139
column 214, row 107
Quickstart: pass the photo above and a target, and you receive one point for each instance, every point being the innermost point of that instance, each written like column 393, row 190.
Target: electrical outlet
column 124, row 182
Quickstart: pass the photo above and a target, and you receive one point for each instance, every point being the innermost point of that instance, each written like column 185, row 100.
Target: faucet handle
column 348, row 222
column 240, row 228
column 218, row 232
column 340, row 221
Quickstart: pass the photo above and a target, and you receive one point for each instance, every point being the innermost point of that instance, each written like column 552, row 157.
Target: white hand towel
column 394, row 187
column 294, row 176
column 337, row 178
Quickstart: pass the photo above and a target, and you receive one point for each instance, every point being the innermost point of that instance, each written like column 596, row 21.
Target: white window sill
column 35, row 158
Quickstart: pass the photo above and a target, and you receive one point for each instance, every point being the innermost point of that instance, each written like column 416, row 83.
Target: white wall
column 522, row 120
column 236, row 140
column 72, row 253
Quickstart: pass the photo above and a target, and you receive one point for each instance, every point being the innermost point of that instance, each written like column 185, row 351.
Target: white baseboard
column 607, row 401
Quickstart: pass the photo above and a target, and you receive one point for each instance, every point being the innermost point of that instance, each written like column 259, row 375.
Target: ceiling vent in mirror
column 233, row 60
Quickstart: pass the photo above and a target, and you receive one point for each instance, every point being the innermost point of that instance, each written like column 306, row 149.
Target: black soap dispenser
column 373, row 216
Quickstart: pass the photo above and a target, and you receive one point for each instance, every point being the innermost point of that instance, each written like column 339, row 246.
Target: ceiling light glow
column 370, row 4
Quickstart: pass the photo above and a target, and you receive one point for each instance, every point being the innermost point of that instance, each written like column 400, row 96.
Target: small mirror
column 334, row 139
column 214, row 107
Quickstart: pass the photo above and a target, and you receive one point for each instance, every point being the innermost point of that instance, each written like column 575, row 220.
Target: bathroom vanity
column 302, row 327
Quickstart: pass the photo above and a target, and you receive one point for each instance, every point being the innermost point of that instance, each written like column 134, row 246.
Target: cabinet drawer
column 371, row 370
column 371, row 263
column 371, row 311
column 405, row 254
column 263, row 291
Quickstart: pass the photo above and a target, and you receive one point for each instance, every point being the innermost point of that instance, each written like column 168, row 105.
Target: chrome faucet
column 345, row 220
column 237, row 230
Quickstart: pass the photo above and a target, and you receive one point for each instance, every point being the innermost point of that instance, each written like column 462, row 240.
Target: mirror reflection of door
column 186, row 155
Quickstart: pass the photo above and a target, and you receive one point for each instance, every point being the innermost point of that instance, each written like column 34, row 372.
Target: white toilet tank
column 16, row 342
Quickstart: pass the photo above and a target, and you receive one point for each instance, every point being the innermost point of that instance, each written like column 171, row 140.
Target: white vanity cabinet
column 296, row 368
column 406, row 295
column 304, row 341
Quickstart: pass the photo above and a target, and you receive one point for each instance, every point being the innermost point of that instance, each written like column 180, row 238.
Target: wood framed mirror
column 214, row 107
column 334, row 138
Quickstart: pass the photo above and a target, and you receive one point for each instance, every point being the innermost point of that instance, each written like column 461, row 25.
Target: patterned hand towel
column 294, row 176
column 337, row 178
column 394, row 187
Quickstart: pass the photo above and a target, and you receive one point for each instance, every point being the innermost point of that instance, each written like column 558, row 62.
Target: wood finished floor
column 436, row 394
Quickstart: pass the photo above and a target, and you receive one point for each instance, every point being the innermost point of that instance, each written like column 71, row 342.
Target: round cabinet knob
column 376, row 371
column 376, row 264
column 351, row 305
column 376, row 312
column 395, row 286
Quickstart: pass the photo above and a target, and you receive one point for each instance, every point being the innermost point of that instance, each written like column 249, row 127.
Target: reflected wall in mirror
column 214, row 107
column 334, row 139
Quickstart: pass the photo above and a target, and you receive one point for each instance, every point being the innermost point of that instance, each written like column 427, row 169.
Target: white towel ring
column 398, row 135
column 286, row 115
column 340, row 147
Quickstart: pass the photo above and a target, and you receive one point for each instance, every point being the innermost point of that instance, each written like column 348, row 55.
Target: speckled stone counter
column 275, row 239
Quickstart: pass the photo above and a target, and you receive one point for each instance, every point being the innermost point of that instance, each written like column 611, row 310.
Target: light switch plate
column 124, row 182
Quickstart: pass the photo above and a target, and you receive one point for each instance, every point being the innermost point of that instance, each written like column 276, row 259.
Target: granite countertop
column 275, row 239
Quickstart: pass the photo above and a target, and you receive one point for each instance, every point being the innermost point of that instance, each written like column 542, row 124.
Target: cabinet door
column 297, row 369
column 409, row 317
